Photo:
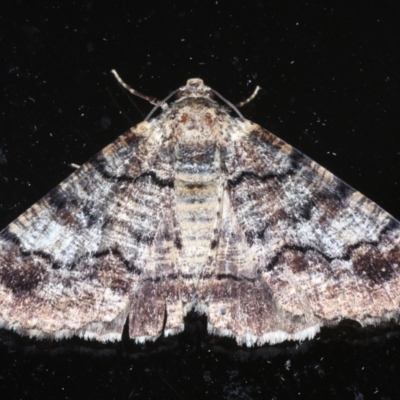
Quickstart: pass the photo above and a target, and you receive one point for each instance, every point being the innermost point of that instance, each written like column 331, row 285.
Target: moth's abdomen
column 197, row 187
column 197, row 208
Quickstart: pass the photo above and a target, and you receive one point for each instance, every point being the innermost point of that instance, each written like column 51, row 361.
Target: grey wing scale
column 298, row 248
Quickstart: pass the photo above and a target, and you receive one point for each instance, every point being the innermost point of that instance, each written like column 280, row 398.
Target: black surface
column 330, row 78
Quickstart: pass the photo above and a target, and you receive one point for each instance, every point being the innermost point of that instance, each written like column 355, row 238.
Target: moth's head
column 195, row 87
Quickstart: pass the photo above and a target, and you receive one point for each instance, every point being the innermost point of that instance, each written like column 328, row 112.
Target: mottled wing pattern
column 298, row 247
column 76, row 261
column 197, row 209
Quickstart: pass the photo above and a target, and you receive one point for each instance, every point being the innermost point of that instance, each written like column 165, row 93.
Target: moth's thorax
column 196, row 135
column 195, row 121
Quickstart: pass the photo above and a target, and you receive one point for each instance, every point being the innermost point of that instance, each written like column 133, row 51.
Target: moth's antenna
column 250, row 98
column 231, row 105
column 152, row 100
column 163, row 104
column 241, row 104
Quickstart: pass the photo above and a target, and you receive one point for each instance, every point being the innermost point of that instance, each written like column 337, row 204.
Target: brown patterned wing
column 76, row 261
column 298, row 248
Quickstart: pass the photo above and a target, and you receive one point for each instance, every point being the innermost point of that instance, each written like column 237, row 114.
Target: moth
column 198, row 209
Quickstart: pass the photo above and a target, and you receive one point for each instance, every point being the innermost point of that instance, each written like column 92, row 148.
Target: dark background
column 330, row 77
